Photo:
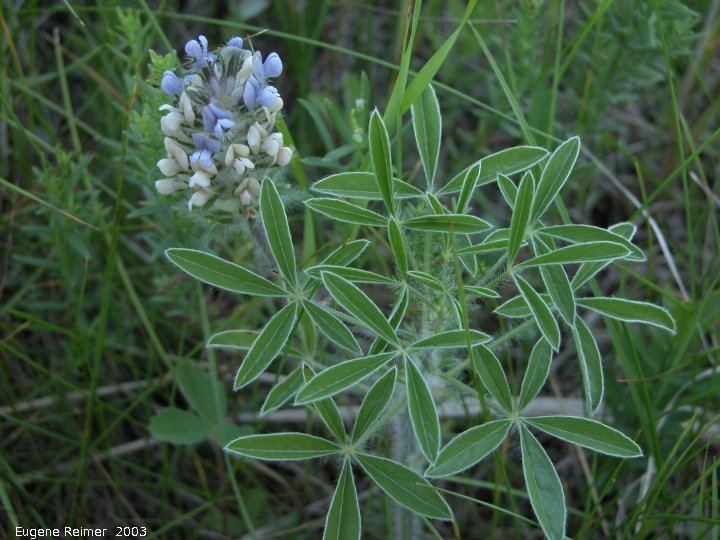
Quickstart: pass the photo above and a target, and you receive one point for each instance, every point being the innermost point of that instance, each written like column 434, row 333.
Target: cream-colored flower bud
column 186, row 109
column 199, row 198
column 241, row 187
column 169, row 167
column 166, row 186
column 244, row 72
column 270, row 147
column 245, row 198
column 170, row 123
column 284, row 156
column 201, row 179
column 254, row 138
column 253, row 186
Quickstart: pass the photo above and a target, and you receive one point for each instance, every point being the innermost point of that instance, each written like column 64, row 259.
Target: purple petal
column 218, row 112
column 209, row 118
column 212, row 145
column 273, row 65
column 193, row 49
column 236, row 42
column 204, row 42
column 257, row 67
column 171, row 84
column 250, row 93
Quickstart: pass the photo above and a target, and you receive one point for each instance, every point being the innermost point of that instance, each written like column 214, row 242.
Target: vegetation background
column 94, row 321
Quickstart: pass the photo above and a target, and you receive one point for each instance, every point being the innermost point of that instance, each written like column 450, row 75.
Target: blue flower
column 272, row 67
column 171, row 84
column 254, row 94
column 199, row 52
column 236, row 42
column 205, row 147
column 216, row 119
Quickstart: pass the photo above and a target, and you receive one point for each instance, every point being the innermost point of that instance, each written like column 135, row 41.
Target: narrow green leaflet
column 555, row 174
column 540, row 311
column 423, row 413
column 468, row 188
column 492, row 376
column 469, row 448
column 536, row 373
column 342, row 256
column 517, row 308
column 268, row 344
column 346, row 212
column 361, row 185
column 397, row 244
column 451, row 339
column 471, row 290
column 581, row 234
column 427, row 126
column 343, row 518
column 332, row 327
column 630, row 311
column 508, row 162
column 374, row 404
column 396, row 317
column 521, row 215
column 178, row 426
column 282, row 446
column 579, row 253
column 341, row 376
column 355, row 275
column 283, row 391
column 405, row 486
column 356, row 302
column 220, row 273
column 484, row 247
column 557, row 284
column 278, row 231
column 590, row 364
column 587, row 433
column 543, row 486
column 381, row 159
column 508, row 189
column 590, row 269
column 447, row 223
column 428, row 280
column 327, row 410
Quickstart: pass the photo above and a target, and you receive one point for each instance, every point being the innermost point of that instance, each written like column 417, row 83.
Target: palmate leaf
column 447, row 223
column 278, row 231
column 590, row 364
column 282, row 391
column 469, row 448
column 405, row 486
column 536, row 373
column 382, row 161
column 423, row 413
column 361, row 185
column 374, row 404
column 450, row 339
column 427, row 126
column 282, row 447
column 331, row 326
column 626, row 310
column 555, row 174
column 492, row 376
column 346, row 212
column 579, row 253
column 521, row 215
column 343, row 518
column 540, row 311
column 220, row 273
column 268, row 344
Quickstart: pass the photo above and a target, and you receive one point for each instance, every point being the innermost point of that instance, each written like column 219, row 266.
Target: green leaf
column 543, row 486
column 278, row 231
column 582, row 234
column 332, row 327
column 423, row 413
column 267, row 345
column 588, row 270
column 346, row 212
column 557, row 284
column 374, row 404
column 397, row 244
column 630, row 311
column 233, row 339
column 556, row 172
column 197, row 387
column 221, row 273
column 355, row 302
column 536, row 373
column 396, row 316
column 361, row 185
column 540, row 311
column 381, row 159
column 327, row 410
column 283, row 391
column 587, row 433
column 341, row 376
column 508, row 190
column 346, row 253
column 484, row 247
column 516, row 307
column 478, row 291
column 428, row 280
column 356, row 275
column 282, row 447
column 590, row 364
column 405, row 486
column 578, row 253
column 492, row 376
column 343, row 518
column 179, row 427
column 469, row 448
column 521, row 215
column 508, row 162
column 468, row 188
column 427, row 125
column 447, row 223
column 450, row 339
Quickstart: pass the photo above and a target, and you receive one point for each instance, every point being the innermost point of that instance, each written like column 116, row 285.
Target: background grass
column 93, row 320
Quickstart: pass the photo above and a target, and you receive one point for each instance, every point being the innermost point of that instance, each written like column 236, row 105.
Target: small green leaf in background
column 346, row 212
column 557, row 284
column 282, row 446
column 381, row 159
column 267, row 346
column 178, row 426
column 469, row 448
column 331, row 326
column 278, row 231
column 556, row 172
column 356, row 302
column 543, row 486
column 447, row 223
column 397, row 244
column 588, row 433
column 197, row 387
column 283, row 391
column 590, row 364
column 579, row 253
column 520, row 215
column 423, row 413
column 374, row 404
column 405, row 486
column 581, row 234
column 450, row 339
column 536, row 373
column 220, row 273
column 492, row 376
column 343, row 518
column 540, row 312
column 626, row 310
column 337, row 378
column 427, row 126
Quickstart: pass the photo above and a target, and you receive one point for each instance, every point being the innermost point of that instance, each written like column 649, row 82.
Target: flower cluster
column 218, row 129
